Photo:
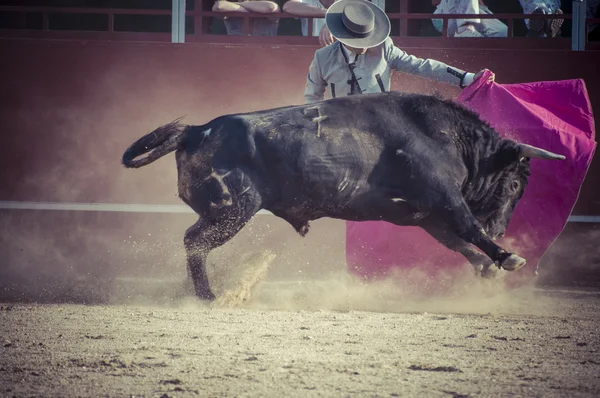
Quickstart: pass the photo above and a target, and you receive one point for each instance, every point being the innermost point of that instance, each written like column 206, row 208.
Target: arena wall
column 70, row 108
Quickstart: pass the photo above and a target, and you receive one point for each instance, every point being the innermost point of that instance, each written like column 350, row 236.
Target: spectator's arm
column 263, row 6
column 314, row 90
column 325, row 37
column 226, row 6
column 296, row 7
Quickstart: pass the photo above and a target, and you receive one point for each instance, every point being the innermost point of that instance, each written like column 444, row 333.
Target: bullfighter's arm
column 427, row 68
column 314, row 90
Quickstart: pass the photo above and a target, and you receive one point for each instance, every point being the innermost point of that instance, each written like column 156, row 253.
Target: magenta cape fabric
column 555, row 116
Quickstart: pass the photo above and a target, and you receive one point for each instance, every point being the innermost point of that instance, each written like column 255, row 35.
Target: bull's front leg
column 440, row 231
column 462, row 222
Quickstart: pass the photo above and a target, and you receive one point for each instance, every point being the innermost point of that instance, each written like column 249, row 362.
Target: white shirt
column 350, row 56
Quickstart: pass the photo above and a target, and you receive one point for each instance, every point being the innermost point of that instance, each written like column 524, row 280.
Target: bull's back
column 304, row 154
column 332, row 148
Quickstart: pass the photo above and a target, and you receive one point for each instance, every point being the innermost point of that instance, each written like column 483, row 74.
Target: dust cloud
column 406, row 291
column 247, row 285
column 266, row 267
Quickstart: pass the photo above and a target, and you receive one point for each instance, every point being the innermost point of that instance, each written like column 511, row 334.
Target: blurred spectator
column 311, row 8
column 593, row 11
column 474, row 27
column 258, row 26
column 317, row 8
column 542, row 27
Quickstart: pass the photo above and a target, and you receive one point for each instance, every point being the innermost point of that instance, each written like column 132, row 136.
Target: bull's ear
column 508, row 154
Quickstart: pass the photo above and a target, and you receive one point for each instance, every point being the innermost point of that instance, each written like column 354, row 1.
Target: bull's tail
column 159, row 142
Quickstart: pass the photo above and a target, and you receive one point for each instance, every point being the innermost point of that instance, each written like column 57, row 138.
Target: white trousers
column 488, row 27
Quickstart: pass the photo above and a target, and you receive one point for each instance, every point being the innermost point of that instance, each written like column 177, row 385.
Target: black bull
column 402, row 158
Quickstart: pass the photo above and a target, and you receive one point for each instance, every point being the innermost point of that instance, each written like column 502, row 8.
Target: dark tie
column 353, row 82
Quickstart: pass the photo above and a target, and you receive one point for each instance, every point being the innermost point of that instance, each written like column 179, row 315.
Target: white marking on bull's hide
column 219, row 173
column 263, row 122
column 400, row 152
column 245, row 190
column 344, row 183
column 444, row 132
column 207, row 132
column 398, row 200
column 351, row 195
column 318, row 120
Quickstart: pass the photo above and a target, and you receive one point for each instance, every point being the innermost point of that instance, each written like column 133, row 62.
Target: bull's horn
column 528, row 151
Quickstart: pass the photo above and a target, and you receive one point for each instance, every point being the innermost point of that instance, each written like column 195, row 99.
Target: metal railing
column 47, row 31
column 200, row 20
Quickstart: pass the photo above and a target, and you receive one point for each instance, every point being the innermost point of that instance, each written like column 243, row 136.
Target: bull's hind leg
column 200, row 239
column 197, row 251
column 216, row 229
column 462, row 222
column 203, row 237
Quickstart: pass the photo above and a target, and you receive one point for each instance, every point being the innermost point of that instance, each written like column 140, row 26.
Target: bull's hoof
column 206, row 295
column 512, row 262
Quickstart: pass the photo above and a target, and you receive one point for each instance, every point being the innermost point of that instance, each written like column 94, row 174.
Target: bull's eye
column 514, row 186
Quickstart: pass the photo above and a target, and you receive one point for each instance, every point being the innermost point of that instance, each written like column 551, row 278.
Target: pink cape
column 556, row 116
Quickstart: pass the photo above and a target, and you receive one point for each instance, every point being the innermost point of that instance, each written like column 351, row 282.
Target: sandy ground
column 334, row 337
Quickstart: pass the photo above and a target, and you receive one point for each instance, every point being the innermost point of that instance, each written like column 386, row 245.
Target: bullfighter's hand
column 325, row 37
column 490, row 79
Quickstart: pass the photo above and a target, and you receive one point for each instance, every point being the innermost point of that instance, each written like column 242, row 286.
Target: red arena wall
column 70, row 108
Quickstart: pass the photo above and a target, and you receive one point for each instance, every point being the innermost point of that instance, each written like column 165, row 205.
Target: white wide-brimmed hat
column 357, row 23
